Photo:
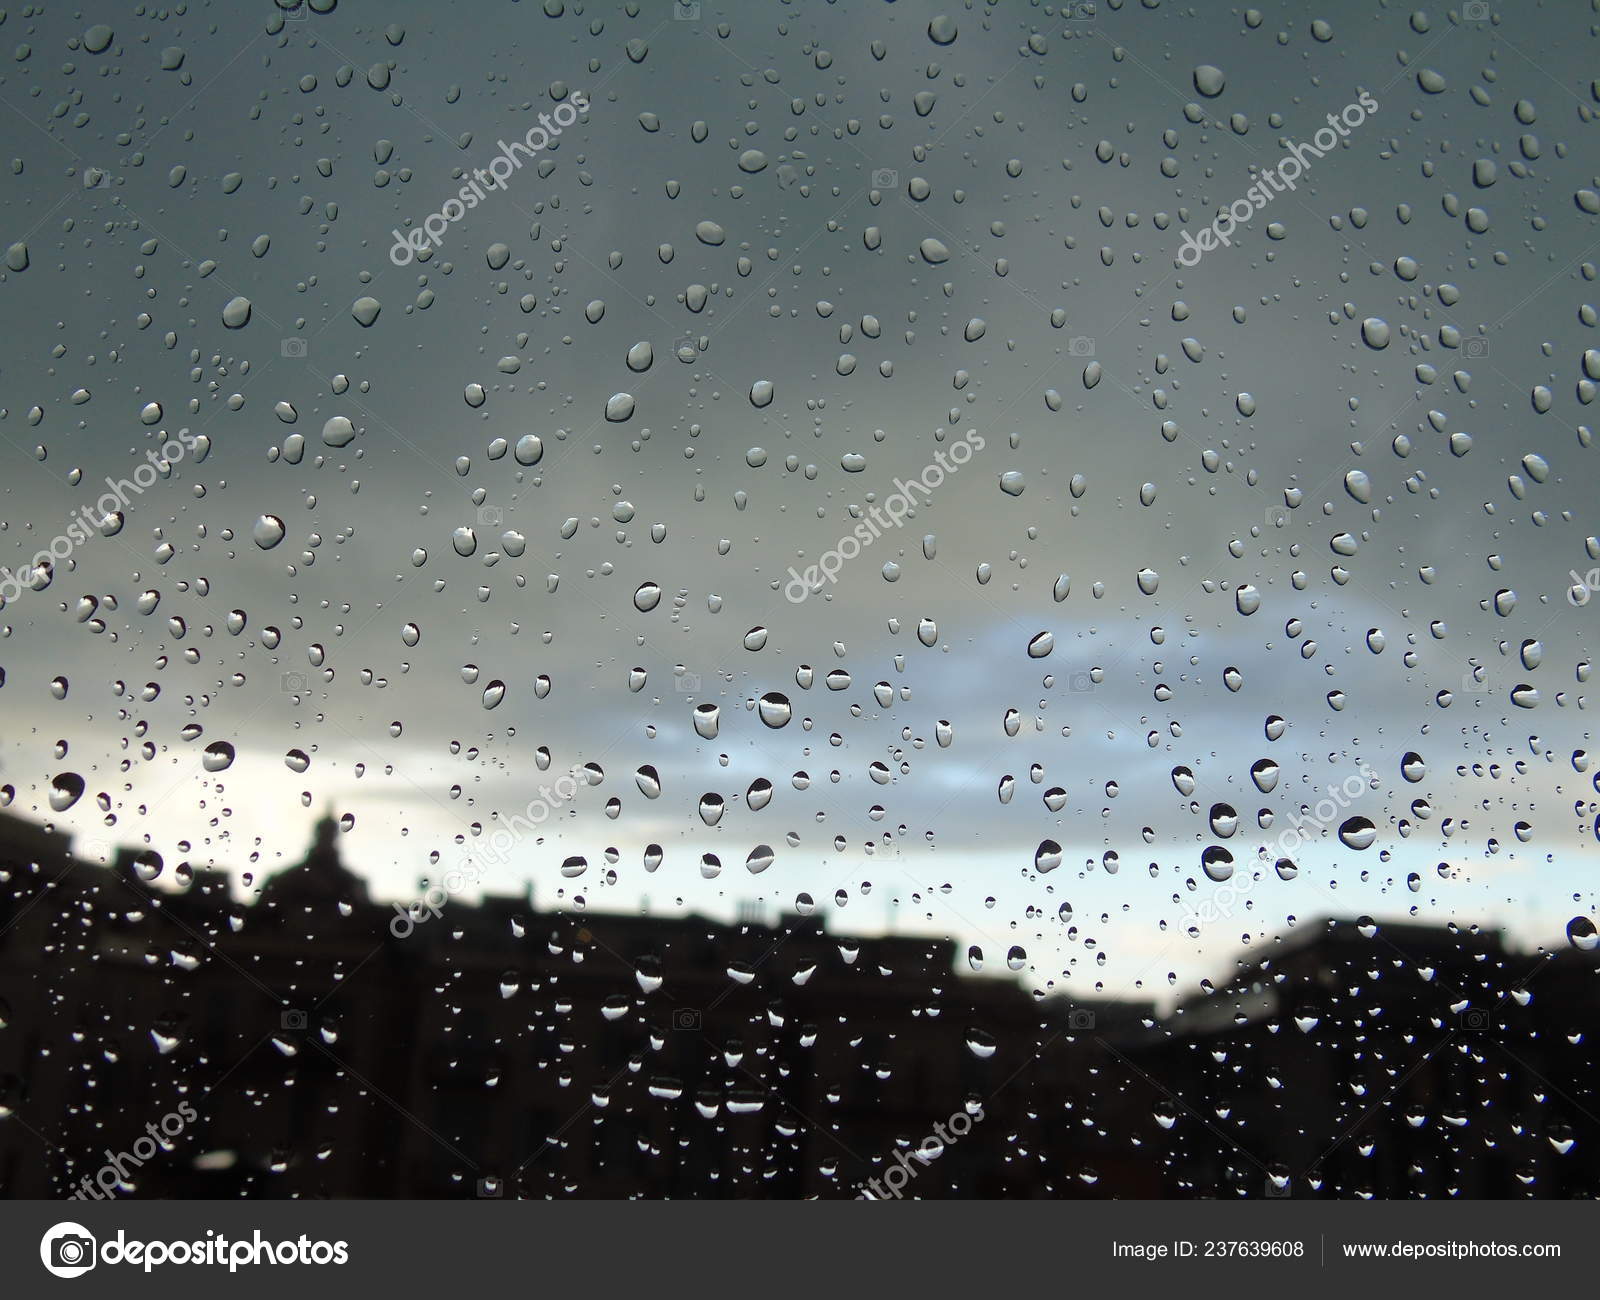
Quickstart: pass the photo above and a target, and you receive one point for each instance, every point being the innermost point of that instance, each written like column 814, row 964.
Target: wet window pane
column 782, row 600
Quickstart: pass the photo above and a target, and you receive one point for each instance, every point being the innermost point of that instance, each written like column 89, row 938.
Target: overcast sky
column 912, row 222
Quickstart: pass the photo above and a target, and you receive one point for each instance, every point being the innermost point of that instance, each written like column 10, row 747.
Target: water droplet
column 1217, row 863
column 66, row 788
column 1357, row 833
column 267, row 531
column 1264, row 772
column 1224, row 820
column 707, row 719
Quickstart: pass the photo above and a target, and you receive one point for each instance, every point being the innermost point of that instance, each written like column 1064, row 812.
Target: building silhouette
column 328, row 1046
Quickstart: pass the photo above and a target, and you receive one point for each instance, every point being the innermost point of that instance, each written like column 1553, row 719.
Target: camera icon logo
column 1080, row 682
column 686, row 1018
column 1077, row 11
column 1477, row 1019
column 885, row 178
column 1277, row 1188
column 492, row 1188
column 96, row 178
column 1475, row 348
column 293, row 1019
column 686, row 683
column 686, row 11
column 68, row 1250
column 292, row 683
column 1472, row 684
column 1080, row 347
column 1475, row 11
column 1276, row 517
column 490, row 516
column 96, row 850
column 1080, row 1019
column 293, row 348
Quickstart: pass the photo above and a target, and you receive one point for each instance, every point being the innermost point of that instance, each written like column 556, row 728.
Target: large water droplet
column 774, row 709
column 1357, row 833
column 66, row 788
column 267, row 531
